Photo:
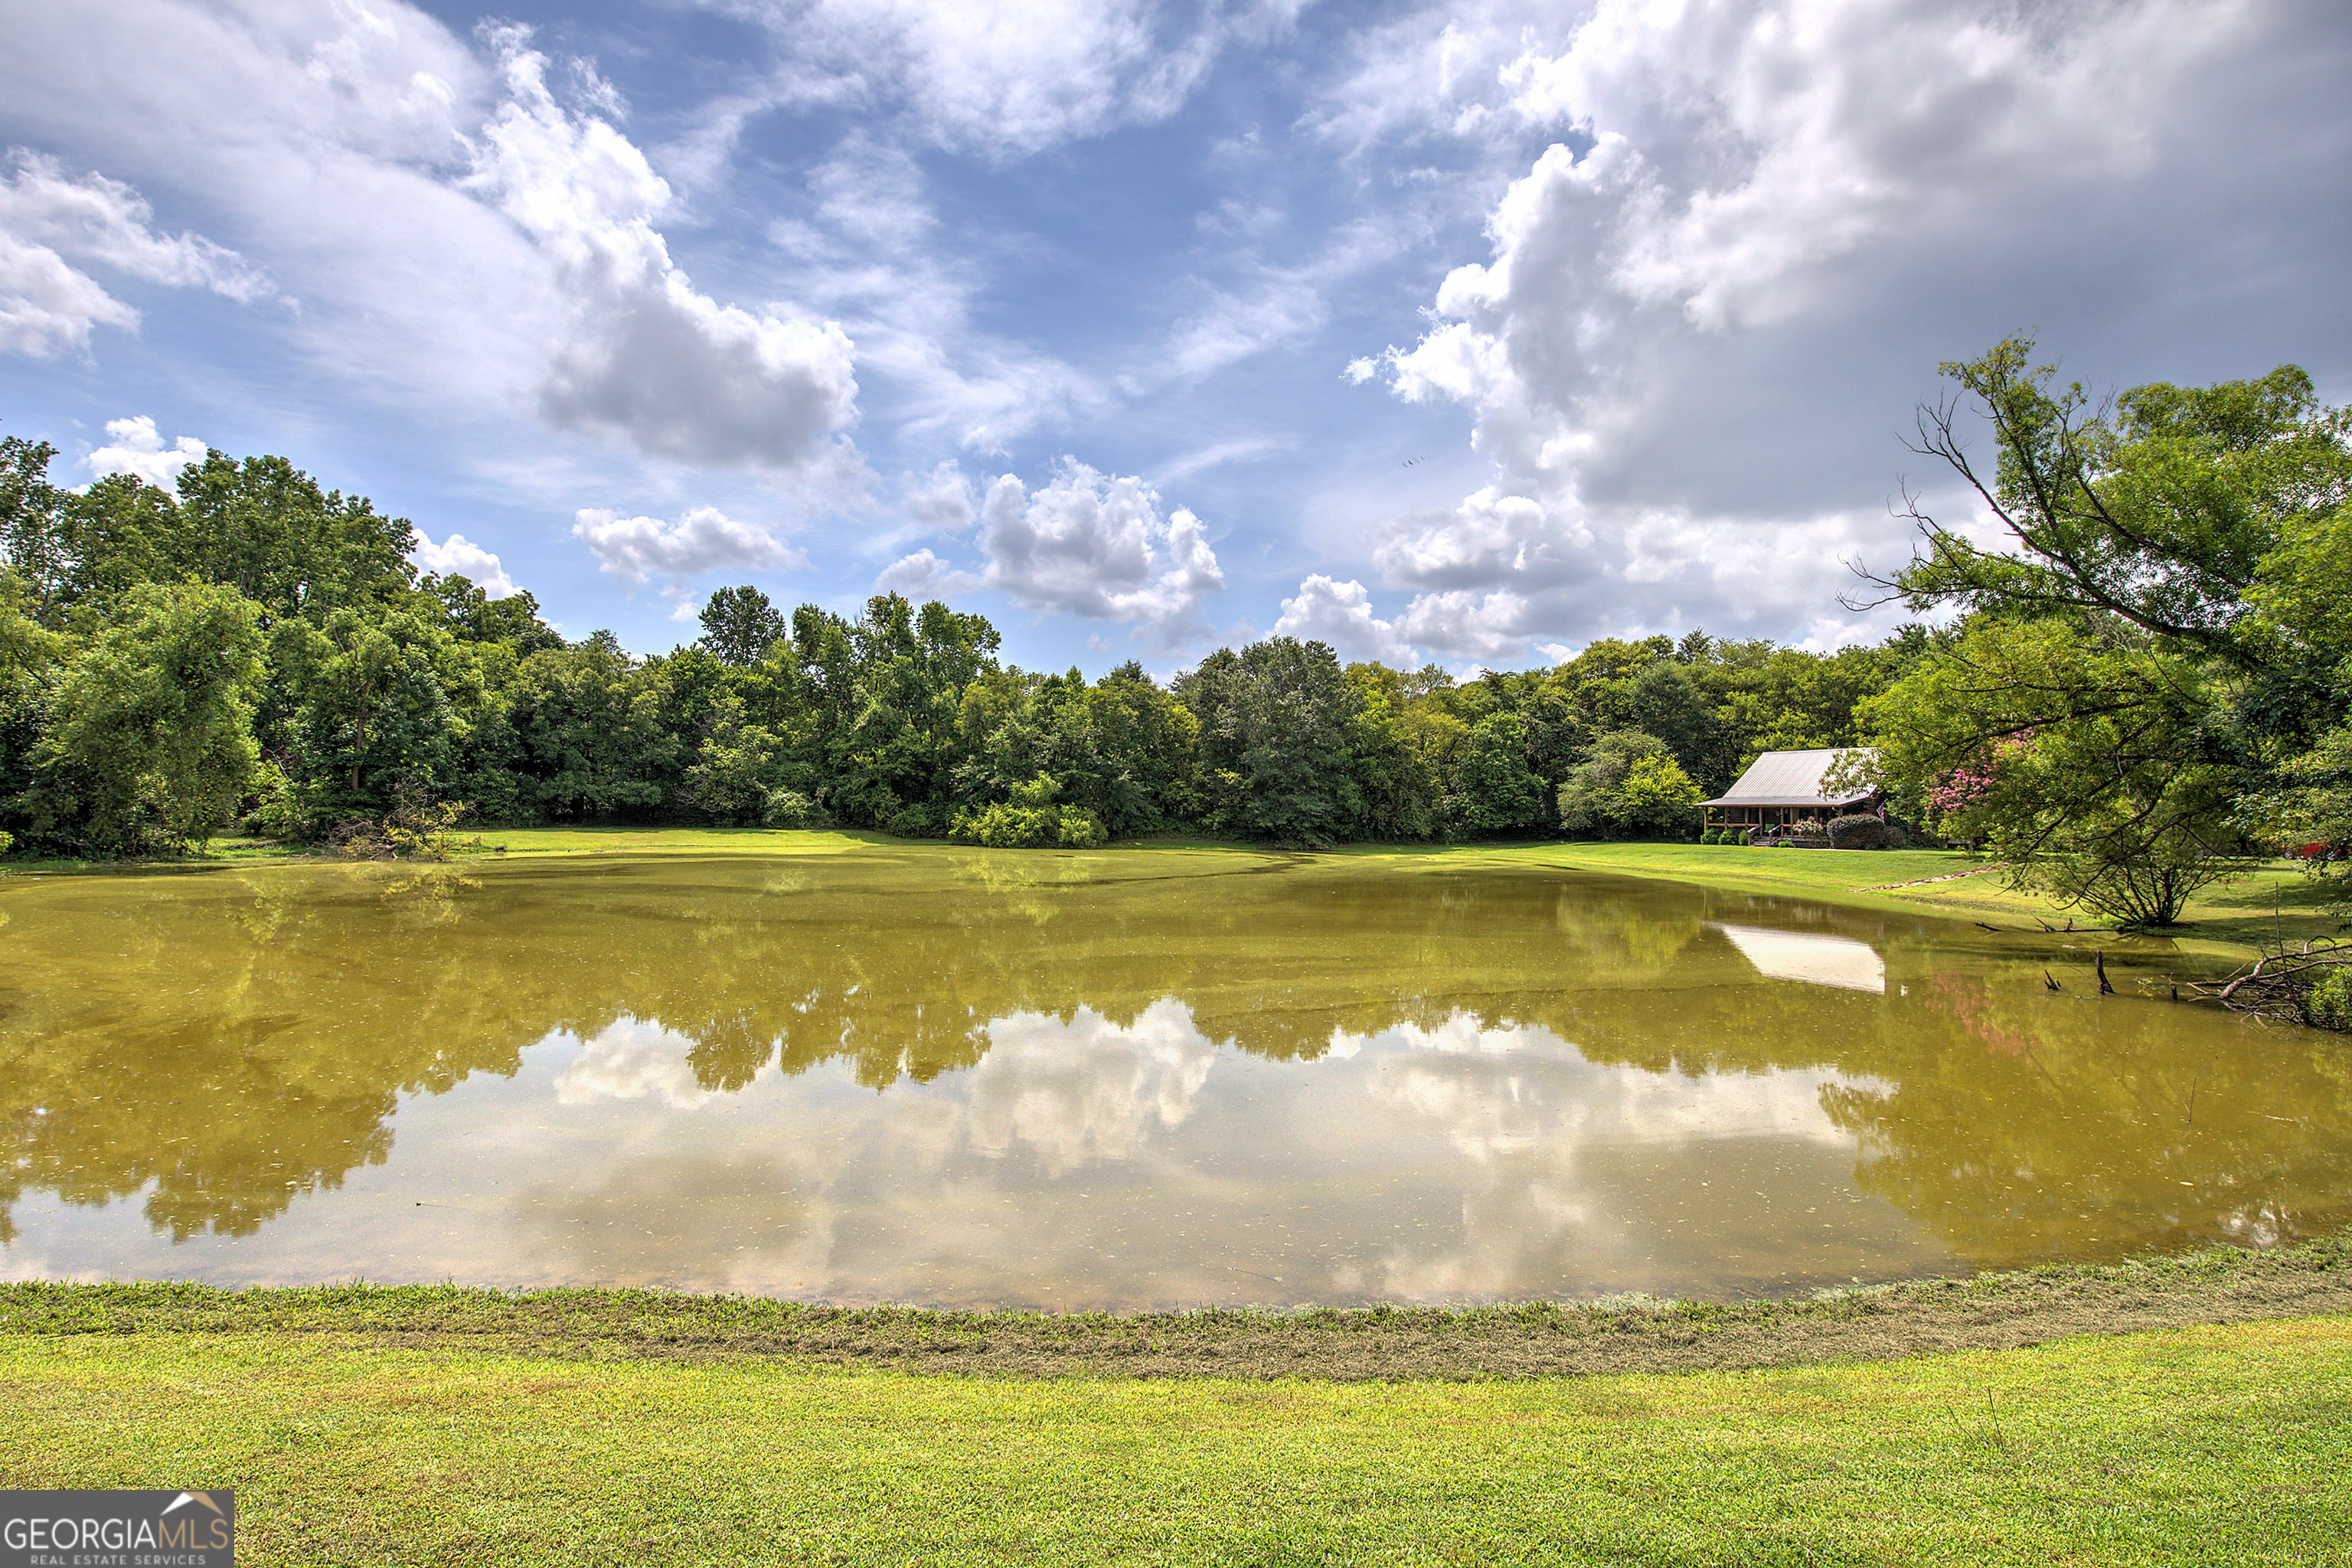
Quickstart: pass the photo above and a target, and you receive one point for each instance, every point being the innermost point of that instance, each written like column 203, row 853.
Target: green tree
column 265, row 528
column 1629, row 786
column 736, row 768
column 587, row 731
column 1274, row 725
column 32, row 544
column 2068, row 748
column 151, row 745
column 369, row 712
column 28, row 651
column 471, row 615
column 739, row 625
column 1493, row 790
column 2160, row 512
column 1666, row 701
column 1398, row 746
column 2156, row 629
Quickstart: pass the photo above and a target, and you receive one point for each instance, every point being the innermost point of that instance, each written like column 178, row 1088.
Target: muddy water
column 1113, row 1080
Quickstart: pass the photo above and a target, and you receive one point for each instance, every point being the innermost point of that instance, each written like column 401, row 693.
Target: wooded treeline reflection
column 236, row 1039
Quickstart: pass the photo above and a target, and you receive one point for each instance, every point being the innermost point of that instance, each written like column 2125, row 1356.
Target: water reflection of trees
column 228, row 1041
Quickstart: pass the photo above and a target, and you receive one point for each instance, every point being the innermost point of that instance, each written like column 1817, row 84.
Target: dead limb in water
column 2273, row 985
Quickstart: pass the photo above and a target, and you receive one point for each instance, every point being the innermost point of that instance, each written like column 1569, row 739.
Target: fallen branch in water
column 2279, row 984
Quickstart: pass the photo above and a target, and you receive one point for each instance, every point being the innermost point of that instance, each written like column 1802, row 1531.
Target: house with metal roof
column 1781, row 787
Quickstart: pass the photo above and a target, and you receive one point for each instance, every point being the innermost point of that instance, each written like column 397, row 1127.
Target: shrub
column 1861, row 831
column 417, row 828
column 1005, row 826
column 790, row 808
column 5, row 840
column 913, row 822
column 1081, row 829
column 284, row 809
column 2327, row 1005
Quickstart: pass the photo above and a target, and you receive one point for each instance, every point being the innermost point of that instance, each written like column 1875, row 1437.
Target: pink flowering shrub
column 1962, row 788
column 1957, row 798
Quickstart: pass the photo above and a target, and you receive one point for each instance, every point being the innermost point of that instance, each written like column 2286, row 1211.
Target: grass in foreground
column 2196, row 1446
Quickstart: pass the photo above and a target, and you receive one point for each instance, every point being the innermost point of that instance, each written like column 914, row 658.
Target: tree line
column 252, row 648
column 2144, row 682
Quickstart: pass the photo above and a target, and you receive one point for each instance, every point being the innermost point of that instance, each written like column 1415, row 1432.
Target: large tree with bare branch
column 2148, row 635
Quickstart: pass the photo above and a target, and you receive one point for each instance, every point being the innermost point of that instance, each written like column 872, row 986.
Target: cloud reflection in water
column 631, row 1059
column 1084, row 1089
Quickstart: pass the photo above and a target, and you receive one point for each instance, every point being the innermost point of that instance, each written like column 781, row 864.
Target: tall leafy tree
column 370, row 694
column 266, row 528
column 467, row 611
column 151, row 740
column 1272, row 718
column 1493, row 790
column 1629, row 786
column 32, row 543
column 587, row 732
column 739, row 625
column 2124, row 688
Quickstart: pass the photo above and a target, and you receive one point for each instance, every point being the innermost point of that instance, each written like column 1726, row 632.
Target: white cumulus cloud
column 704, row 538
column 1341, row 614
column 1093, row 544
column 942, row 501
column 48, row 304
column 922, row 575
column 457, row 556
column 647, row 356
column 135, row 447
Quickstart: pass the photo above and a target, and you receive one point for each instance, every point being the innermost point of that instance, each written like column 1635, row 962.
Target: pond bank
column 1988, row 1312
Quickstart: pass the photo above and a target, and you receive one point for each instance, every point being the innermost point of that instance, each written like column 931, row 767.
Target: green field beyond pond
column 2229, row 919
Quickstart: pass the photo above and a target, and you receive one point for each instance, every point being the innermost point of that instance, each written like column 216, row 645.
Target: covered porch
column 1780, row 788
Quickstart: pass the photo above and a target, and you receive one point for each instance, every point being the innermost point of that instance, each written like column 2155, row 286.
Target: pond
column 1125, row 1080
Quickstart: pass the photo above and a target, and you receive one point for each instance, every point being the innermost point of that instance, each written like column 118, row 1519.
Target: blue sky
column 1459, row 333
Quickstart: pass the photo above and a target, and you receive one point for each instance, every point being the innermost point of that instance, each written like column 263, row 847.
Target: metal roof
column 1789, row 778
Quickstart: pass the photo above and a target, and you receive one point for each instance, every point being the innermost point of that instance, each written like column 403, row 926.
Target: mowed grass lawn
column 2229, row 920
column 2200, row 1445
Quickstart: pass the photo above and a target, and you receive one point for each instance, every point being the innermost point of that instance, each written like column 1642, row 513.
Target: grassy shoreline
column 1989, row 1311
